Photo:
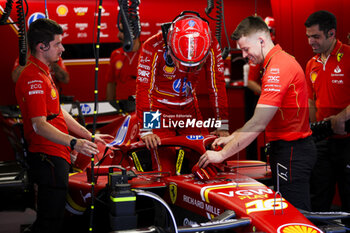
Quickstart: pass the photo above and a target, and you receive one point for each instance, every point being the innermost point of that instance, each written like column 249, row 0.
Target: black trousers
column 50, row 173
column 332, row 167
column 296, row 159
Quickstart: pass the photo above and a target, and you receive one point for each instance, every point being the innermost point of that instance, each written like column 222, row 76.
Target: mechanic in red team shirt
column 328, row 76
column 46, row 126
column 122, row 70
column 58, row 71
column 168, row 73
column 282, row 111
column 255, row 70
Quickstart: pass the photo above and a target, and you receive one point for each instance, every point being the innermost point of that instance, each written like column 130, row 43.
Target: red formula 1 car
column 138, row 190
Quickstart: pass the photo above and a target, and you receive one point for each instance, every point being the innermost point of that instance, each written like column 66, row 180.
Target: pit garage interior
column 78, row 18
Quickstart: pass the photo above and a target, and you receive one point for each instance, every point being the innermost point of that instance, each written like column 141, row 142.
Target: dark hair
column 42, row 31
column 324, row 19
column 249, row 25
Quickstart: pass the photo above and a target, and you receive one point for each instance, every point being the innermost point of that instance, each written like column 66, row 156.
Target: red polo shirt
column 37, row 96
column 329, row 83
column 123, row 71
column 284, row 86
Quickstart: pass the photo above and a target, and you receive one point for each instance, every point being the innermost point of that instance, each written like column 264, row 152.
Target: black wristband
column 72, row 143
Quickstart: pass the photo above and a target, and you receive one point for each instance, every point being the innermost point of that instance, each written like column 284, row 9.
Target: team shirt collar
column 334, row 52
column 44, row 68
column 276, row 49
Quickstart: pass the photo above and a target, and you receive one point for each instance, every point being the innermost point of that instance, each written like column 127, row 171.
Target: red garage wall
column 290, row 16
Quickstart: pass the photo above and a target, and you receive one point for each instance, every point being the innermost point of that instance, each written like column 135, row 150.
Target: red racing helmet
column 189, row 42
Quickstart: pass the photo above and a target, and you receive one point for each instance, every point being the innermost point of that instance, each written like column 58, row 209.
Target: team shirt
column 284, row 86
column 37, row 96
column 329, row 83
column 123, row 71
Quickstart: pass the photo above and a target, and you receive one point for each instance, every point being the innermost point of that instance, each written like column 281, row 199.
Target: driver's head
column 189, row 41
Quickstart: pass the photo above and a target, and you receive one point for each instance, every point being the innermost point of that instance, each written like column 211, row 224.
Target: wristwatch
column 72, row 143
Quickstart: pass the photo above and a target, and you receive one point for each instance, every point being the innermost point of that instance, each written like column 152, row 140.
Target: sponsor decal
column 102, row 35
column 337, row 70
column 64, row 26
column 103, row 12
column 265, row 205
column 35, row 86
column 142, row 79
column 297, row 228
column 80, row 11
column 173, row 192
column 248, row 193
column 336, row 81
column 339, row 56
column 81, row 26
column 65, row 34
column 137, row 162
column 35, row 81
column 144, row 73
column 53, row 93
column 119, row 64
column 273, row 79
column 180, row 159
column 82, row 35
column 35, row 16
column 62, row 10
column 144, row 59
column 35, row 92
column 186, row 85
column 169, row 70
column 313, row 77
column 103, row 26
column 146, row 51
column 275, row 71
column 201, row 205
column 151, row 120
column 144, row 67
column 85, row 108
column 194, row 137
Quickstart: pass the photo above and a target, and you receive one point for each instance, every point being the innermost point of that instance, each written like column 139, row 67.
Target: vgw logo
column 151, row 120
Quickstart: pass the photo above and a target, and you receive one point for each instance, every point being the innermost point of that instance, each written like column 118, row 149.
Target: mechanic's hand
column 337, row 123
column 102, row 137
column 86, row 147
column 221, row 141
column 220, row 133
column 151, row 140
column 210, row 157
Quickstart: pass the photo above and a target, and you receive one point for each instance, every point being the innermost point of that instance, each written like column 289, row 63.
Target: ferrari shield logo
column 339, row 56
column 173, row 192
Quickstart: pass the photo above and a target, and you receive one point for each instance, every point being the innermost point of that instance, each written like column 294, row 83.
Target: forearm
column 46, row 130
column 254, row 86
column 344, row 114
column 110, row 91
column 16, row 73
column 241, row 138
column 312, row 110
column 75, row 127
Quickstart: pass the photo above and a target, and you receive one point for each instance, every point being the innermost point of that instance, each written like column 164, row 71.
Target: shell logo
column 53, row 93
column 298, row 228
column 168, row 69
column 62, row 10
column 313, row 77
column 119, row 65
